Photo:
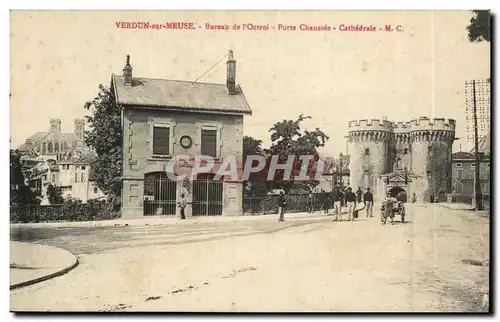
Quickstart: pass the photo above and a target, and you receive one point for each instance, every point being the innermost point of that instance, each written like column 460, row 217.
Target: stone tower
column 369, row 142
column 414, row 156
column 55, row 125
column 79, row 128
column 431, row 149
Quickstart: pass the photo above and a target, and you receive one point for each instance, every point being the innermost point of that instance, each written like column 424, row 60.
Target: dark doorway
column 399, row 193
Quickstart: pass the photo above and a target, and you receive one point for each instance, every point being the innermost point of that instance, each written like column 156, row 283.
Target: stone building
column 56, row 143
column 162, row 119
column 464, row 168
column 73, row 176
column 404, row 158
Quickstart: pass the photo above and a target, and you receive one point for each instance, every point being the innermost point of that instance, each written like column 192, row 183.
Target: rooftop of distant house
column 467, row 156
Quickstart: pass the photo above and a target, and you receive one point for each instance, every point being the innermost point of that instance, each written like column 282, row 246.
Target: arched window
column 56, row 147
column 398, row 163
column 44, row 147
column 50, row 147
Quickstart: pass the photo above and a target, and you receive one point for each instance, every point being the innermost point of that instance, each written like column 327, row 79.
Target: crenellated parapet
column 432, row 136
column 370, row 125
column 435, row 124
column 402, row 138
column 369, row 136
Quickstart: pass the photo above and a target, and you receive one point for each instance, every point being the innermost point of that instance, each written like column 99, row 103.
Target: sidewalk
column 32, row 263
column 462, row 206
column 171, row 220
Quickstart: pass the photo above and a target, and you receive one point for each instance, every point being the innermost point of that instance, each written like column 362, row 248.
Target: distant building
column 164, row 118
column 56, row 143
column 464, row 168
column 483, row 110
column 73, row 176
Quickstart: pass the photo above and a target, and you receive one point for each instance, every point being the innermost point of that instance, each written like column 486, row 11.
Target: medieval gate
column 160, row 194
column 207, row 195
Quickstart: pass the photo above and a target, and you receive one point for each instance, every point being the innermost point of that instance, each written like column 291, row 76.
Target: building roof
column 462, row 156
column 49, row 136
column 179, row 95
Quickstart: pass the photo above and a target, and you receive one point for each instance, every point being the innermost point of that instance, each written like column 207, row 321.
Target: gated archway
column 399, row 193
column 207, row 195
column 159, row 194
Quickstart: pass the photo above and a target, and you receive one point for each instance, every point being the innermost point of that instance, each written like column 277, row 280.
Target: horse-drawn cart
column 390, row 209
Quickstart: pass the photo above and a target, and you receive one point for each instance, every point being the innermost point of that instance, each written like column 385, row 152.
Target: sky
column 58, row 59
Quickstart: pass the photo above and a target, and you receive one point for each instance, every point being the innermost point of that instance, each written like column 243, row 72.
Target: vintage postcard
column 250, row 161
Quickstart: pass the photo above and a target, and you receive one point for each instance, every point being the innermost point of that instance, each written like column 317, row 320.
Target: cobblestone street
column 435, row 262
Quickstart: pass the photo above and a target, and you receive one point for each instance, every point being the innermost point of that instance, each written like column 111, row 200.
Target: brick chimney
column 127, row 73
column 231, row 74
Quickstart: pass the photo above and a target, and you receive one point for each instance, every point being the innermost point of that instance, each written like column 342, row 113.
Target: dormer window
column 367, row 151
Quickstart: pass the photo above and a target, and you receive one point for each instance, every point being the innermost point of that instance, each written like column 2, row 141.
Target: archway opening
column 399, row 193
column 207, row 195
column 160, row 194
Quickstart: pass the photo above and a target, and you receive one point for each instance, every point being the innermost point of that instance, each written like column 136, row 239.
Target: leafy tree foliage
column 20, row 193
column 105, row 138
column 255, row 185
column 54, row 195
column 288, row 139
column 479, row 29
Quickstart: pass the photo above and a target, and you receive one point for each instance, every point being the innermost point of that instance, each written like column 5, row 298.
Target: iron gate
column 207, row 196
column 160, row 194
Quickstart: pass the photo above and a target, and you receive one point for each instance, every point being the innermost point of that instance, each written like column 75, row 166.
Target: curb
column 165, row 221
column 46, row 277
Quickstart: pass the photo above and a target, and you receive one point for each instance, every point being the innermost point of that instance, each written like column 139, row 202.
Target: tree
column 105, row 138
column 479, row 29
column 256, row 183
column 20, row 193
column 54, row 195
column 288, row 140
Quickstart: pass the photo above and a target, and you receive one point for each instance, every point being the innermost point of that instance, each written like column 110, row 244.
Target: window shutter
column 209, row 142
column 161, row 141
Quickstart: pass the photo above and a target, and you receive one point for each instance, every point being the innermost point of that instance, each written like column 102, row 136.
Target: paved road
column 304, row 264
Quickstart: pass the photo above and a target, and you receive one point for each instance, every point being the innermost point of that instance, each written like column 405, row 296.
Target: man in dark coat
column 326, row 201
column 282, row 205
column 351, row 203
column 359, row 195
column 337, row 202
column 368, row 201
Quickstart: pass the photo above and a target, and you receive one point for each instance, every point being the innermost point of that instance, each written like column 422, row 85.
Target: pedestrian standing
column 368, row 201
column 337, row 203
column 182, row 206
column 310, row 208
column 282, row 205
column 324, row 195
column 351, row 203
column 359, row 195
